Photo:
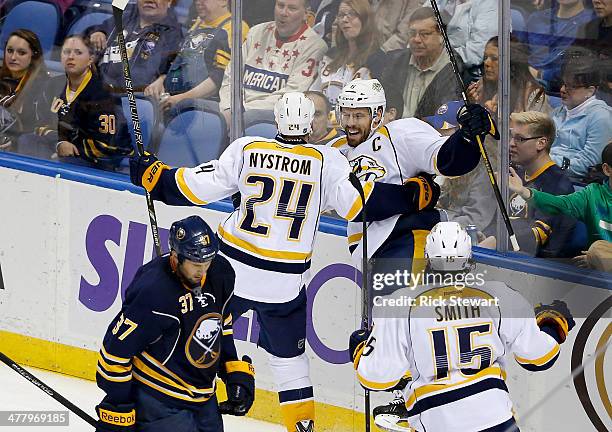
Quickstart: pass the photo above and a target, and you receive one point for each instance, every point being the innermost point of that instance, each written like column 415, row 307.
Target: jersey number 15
column 468, row 353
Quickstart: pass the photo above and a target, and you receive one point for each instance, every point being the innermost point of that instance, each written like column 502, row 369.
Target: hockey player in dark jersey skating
column 161, row 354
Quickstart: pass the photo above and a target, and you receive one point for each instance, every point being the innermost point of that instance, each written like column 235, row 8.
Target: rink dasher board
column 64, row 242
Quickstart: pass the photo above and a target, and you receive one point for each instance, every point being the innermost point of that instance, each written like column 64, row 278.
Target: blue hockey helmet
column 192, row 239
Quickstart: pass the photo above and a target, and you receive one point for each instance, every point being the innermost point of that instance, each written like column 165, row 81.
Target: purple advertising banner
column 101, row 296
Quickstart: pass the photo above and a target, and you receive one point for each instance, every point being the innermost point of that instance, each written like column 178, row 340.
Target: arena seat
column 263, row 129
column 85, row 21
column 260, row 123
column 40, row 17
column 147, row 117
column 195, row 134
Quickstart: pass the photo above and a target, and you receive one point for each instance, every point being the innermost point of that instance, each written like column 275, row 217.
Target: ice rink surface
column 18, row 394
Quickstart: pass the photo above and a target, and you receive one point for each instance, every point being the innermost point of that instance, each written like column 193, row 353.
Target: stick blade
column 515, row 245
column 120, row 4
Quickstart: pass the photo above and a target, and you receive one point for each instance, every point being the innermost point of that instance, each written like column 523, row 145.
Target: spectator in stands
column 422, row 72
column 592, row 205
column 322, row 131
column 395, row 104
column 549, row 33
column 392, row 21
column 91, row 129
column 279, row 56
column 356, row 53
column 604, row 92
column 526, row 94
column 584, row 123
column 597, row 33
column 197, row 71
column 473, row 23
column 152, row 36
column 22, row 79
column 531, row 136
column 467, row 199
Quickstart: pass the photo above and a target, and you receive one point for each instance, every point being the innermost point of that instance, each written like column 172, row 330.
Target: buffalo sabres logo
column 180, row 234
column 203, row 346
column 518, row 206
column 367, row 168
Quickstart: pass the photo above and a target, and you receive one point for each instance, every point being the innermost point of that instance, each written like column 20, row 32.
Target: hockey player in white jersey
column 454, row 339
column 397, row 153
column 285, row 184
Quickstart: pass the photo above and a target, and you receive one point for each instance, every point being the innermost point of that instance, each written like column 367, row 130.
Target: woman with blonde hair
column 23, row 76
column 356, row 53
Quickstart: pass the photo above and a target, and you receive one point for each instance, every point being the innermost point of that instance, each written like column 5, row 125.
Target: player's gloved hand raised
column 423, row 190
column 556, row 315
column 145, row 170
column 357, row 343
column 240, row 384
column 476, row 121
column 116, row 418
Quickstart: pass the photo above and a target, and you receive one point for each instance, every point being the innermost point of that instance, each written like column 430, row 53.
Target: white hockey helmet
column 294, row 113
column 363, row 94
column 448, row 247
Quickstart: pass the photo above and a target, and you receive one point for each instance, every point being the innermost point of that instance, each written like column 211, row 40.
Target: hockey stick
column 118, row 8
column 55, row 395
column 365, row 292
column 483, row 151
column 575, row 372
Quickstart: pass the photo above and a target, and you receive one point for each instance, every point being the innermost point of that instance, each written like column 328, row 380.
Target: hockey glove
column 116, row 418
column 240, row 383
column 145, row 170
column 476, row 121
column 357, row 343
column 556, row 315
column 424, row 191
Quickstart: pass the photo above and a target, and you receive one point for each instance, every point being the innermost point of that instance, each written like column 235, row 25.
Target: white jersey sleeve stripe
column 376, row 385
column 357, row 204
column 182, row 185
column 541, row 360
column 268, row 253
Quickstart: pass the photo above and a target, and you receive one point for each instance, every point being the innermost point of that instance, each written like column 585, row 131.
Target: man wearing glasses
column 423, row 71
column 531, row 136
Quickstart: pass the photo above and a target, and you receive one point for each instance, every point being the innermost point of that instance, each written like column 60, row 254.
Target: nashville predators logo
column 203, row 346
column 367, row 168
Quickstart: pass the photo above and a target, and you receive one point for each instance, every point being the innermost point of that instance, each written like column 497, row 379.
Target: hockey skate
column 393, row 416
column 305, row 426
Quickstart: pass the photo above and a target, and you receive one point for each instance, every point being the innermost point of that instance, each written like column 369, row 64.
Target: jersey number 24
column 268, row 187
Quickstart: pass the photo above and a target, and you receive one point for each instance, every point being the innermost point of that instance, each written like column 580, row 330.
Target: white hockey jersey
column 331, row 83
column 273, row 66
column 393, row 154
column 284, row 188
column 454, row 343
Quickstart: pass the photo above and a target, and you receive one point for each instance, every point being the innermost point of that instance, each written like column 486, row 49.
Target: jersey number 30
column 283, row 211
column 468, row 353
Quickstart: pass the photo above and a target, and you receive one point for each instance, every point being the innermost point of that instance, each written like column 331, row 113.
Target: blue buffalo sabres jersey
column 168, row 339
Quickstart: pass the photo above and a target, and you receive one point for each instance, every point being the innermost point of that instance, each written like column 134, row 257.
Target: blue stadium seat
column 40, row 17
column 263, row 129
column 147, row 117
column 85, row 21
column 195, row 134
column 518, row 21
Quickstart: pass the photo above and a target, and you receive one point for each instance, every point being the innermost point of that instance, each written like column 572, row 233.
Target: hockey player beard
column 190, row 273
